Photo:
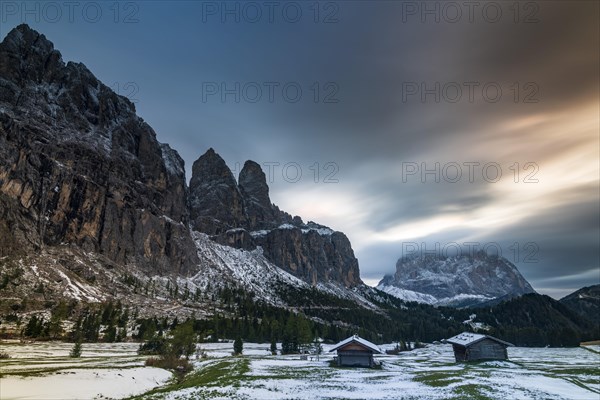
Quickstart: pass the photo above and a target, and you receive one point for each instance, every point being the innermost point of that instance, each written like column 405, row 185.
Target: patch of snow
column 410, row 295
column 85, row 383
column 286, row 226
column 79, row 291
column 320, row 231
column 170, row 220
column 260, row 233
column 236, row 230
column 407, row 295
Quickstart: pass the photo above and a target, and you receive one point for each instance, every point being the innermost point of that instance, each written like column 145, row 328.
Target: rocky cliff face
column 216, row 204
column 456, row 281
column 242, row 215
column 260, row 213
column 78, row 166
column 311, row 252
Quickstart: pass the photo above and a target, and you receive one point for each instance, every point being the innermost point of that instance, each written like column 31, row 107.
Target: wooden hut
column 356, row 352
column 474, row 346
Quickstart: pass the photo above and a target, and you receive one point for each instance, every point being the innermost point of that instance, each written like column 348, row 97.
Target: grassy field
column 428, row 373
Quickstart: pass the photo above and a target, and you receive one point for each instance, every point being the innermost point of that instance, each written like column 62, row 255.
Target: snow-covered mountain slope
column 222, row 266
column 407, row 295
column 454, row 281
column 460, row 300
column 67, row 272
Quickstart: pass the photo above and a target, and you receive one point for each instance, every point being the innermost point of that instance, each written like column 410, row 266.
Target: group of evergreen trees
column 531, row 320
column 106, row 322
column 534, row 320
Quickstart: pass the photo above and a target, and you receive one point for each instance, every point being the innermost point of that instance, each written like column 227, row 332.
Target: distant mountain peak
column 458, row 280
column 216, row 204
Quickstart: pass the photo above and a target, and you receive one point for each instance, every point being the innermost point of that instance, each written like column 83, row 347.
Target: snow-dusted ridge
column 321, row 230
column 222, row 266
column 409, row 295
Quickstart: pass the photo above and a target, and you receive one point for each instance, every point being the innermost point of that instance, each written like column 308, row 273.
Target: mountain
column 458, row 281
column 78, row 166
column 585, row 302
column 93, row 207
column 241, row 215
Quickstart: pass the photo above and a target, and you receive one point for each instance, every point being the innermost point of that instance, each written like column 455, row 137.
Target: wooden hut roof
column 468, row 338
column 357, row 339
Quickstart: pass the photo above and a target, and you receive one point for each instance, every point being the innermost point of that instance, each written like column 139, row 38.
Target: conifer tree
column 76, row 350
column 238, row 346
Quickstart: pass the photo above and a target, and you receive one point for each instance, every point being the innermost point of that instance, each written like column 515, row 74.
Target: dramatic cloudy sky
column 370, row 118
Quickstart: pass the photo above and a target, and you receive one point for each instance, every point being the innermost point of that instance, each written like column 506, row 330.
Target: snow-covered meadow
column 115, row 371
column 44, row 370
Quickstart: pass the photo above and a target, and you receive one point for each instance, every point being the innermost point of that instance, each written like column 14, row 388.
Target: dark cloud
column 566, row 242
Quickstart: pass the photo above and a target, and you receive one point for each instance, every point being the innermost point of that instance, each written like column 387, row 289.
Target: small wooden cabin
column 355, row 352
column 474, row 347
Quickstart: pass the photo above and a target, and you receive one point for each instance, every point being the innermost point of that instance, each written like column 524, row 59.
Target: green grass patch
column 438, row 379
column 592, row 370
column 471, row 392
column 314, row 373
column 218, row 374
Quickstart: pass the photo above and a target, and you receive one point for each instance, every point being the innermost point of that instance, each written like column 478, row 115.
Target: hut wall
column 459, row 352
column 355, row 358
column 486, row 350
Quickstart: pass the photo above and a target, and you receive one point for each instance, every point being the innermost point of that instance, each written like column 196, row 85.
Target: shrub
column 170, row 361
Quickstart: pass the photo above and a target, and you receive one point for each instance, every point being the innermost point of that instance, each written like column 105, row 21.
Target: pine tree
column 317, row 348
column 238, row 346
column 403, row 346
column 121, row 335
column 183, row 341
column 273, row 346
column 76, row 350
column 110, row 333
column 32, row 329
